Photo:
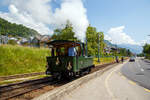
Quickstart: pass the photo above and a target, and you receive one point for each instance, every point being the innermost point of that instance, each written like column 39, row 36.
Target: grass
column 19, row 60
column 103, row 60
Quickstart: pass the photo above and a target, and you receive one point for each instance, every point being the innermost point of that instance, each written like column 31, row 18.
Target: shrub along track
column 29, row 89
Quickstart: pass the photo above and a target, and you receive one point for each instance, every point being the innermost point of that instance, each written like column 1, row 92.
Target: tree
column 92, row 41
column 102, row 44
column 146, row 50
column 129, row 53
column 65, row 33
column 91, row 36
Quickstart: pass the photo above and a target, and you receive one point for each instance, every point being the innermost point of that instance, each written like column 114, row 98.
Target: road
column 112, row 85
column 138, row 71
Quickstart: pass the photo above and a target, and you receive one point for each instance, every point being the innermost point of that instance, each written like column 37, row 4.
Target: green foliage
column 141, row 55
column 12, row 29
column 124, row 52
column 146, row 50
column 65, row 33
column 12, row 42
column 92, row 41
column 129, row 53
column 91, row 36
column 19, row 60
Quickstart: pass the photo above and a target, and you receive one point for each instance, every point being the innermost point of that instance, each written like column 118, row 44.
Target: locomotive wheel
column 89, row 70
column 81, row 74
column 59, row 77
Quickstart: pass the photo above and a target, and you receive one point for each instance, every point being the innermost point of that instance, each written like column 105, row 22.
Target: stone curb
column 57, row 93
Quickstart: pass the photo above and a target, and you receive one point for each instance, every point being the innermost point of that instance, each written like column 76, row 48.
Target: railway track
column 2, row 78
column 13, row 90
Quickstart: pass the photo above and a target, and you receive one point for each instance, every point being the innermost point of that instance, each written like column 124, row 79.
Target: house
column 40, row 40
column 4, row 39
column 37, row 41
column 109, row 49
column 23, row 41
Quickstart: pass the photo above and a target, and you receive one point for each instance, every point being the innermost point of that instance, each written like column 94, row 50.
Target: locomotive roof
column 61, row 43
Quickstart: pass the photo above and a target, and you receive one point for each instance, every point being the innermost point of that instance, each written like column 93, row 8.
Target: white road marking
column 140, row 66
column 142, row 69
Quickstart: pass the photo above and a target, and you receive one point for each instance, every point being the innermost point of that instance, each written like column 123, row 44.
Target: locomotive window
column 58, row 51
column 62, row 51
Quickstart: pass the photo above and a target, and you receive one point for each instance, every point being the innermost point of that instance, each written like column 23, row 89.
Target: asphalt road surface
column 111, row 85
column 138, row 71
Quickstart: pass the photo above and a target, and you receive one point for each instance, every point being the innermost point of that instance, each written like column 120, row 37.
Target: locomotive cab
column 67, row 58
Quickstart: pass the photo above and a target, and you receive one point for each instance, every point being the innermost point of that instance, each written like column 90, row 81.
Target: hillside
column 7, row 28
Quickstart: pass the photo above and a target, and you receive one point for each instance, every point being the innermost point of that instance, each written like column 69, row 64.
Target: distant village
column 33, row 41
column 38, row 41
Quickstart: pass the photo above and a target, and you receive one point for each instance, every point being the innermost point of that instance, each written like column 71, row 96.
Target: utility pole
column 98, row 47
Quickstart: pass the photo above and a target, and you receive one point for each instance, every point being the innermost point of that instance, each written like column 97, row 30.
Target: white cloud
column 118, row 36
column 38, row 14
column 74, row 11
column 147, row 40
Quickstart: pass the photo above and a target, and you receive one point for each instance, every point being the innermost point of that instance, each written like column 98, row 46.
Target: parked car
column 132, row 59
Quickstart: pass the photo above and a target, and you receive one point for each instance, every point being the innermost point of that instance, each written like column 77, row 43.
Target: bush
column 12, row 42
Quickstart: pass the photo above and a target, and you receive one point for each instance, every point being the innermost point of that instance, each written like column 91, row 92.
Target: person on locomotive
column 72, row 51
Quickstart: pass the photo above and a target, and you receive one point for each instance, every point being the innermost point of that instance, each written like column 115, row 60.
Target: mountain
column 109, row 43
column 7, row 28
column 133, row 48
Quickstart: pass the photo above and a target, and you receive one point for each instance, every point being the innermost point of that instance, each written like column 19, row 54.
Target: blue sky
column 133, row 14
column 131, row 17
